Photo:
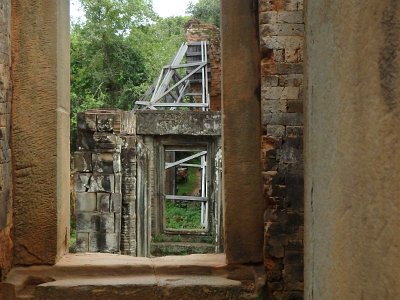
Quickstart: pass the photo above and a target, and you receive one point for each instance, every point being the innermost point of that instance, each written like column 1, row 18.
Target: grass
column 183, row 214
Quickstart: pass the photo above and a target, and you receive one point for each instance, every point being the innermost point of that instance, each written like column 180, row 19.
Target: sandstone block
column 278, row 29
column 290, row 93
column 86, row 121
column 276, row 130
column 269, row 81
column 282, row 42
column 104, row 242
column 118, row 183
column 295, row 106
column 116, row 202
column 86, row 202
column 107, row 142
column 85, row 140
column 103, row 202
column 271, row 106
column 101, row 183
column 82, row 182
column 109, row 121
column 82, row 161
column 128, row 123
column 293, row 119
column 82, row 242
column 106, row 162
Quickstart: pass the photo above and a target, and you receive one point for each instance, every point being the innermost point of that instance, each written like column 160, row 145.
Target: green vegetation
column 117, row 52
column 207, row 11
column 183, row 214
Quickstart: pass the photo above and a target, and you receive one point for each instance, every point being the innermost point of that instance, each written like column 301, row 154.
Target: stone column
column 40, row 129
column 243, row 203
column 352, row 161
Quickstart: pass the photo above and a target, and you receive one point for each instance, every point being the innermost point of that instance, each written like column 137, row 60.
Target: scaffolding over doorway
column 172, row 89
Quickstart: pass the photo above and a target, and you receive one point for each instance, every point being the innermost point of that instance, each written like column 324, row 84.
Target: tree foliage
column 116, row 53
column 207, row 11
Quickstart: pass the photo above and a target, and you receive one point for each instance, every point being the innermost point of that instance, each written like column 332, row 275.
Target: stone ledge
column 108, row 276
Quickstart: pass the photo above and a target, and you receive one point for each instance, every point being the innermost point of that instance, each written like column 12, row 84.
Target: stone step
column 140, row 287
column 108, row 276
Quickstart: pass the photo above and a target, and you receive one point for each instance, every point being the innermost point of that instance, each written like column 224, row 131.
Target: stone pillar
column 243, row 203
column 6, row 217
column 352, row 160
column 40, row 135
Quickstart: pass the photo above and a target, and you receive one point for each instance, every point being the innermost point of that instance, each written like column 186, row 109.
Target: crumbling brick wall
column 6, row 221
column 197, row 31
column 281, row 38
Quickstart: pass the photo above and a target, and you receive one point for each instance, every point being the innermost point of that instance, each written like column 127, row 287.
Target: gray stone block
column 104, row 242
column 82, row 182
column 196, row 123
column 86, row 121
column 86, row 202
column 82, row 242
column 109, row 121
column 101, row 183
column 82, row 161
column 117, row 224
column 103, row 202
column 118, row 183
column 106, row 163
column 115, row 203
column 107, row 142
column 128, row 123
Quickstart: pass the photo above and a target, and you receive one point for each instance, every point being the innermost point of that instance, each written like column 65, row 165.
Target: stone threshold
column 111, row 276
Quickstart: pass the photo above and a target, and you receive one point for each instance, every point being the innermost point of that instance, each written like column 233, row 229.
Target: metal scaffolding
column 172, row 89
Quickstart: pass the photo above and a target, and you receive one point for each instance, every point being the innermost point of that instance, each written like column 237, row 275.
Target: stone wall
column 281, row 38
column 197, row 31
column 98, row 182
column 6, row 220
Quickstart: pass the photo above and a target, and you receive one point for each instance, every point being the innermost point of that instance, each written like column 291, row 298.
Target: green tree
column 207, row 11
column 117, row 52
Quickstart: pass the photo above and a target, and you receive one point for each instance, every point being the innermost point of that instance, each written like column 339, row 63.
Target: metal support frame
column 172, row 90
column 204, row 187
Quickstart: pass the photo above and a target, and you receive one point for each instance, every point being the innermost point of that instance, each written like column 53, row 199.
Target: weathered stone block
column 116, row 202
column 109, row 121
column 292, row 119
column 103, row 202
column 178, row 122
column 282, row 29
column 295, row 106
column 82, row 242
column 101, row 183
column 104, row 242
column 82, row 182
column 269, row 81
column 282, row 42
column 106, row 163
column 128, row 123
column 87, row 222
column 85, row 140
column 276, row 130
column 107, row 142
column 274, row 106
column 294, row 131
column 86, row 121
column 118, row 183
column 117, row 224
column 107, row 222
column 82, row 161
column 86, row 202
